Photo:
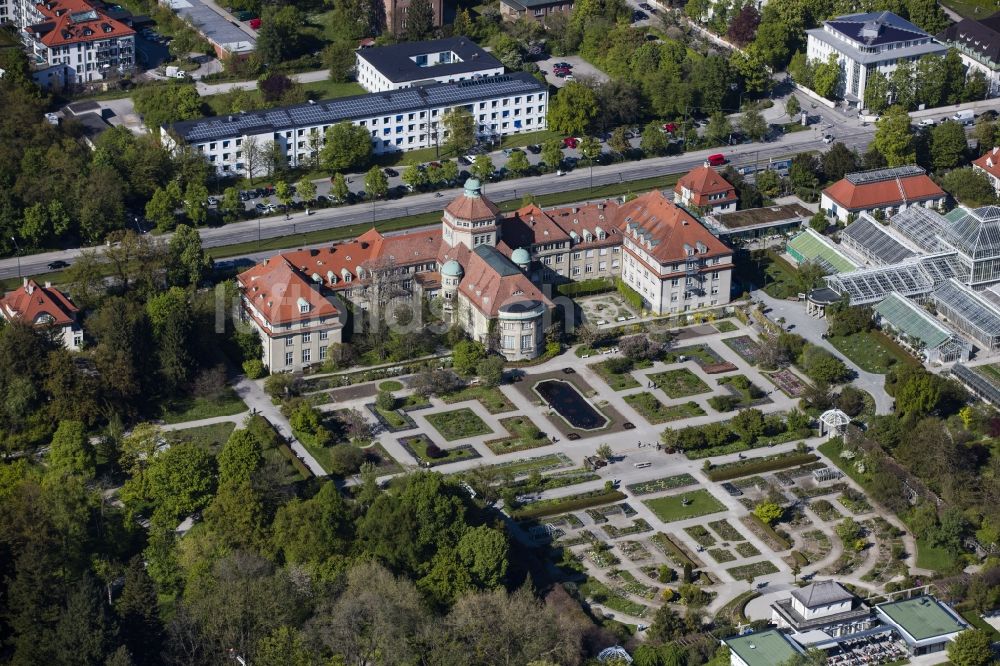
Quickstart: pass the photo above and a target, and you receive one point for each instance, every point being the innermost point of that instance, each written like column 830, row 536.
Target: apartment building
column 865, row 43
column 71, row 41
column 44, row 307
column 674, row 262
column 978, row 44
column 398, row 120
column 989, row 164
column 404, row 65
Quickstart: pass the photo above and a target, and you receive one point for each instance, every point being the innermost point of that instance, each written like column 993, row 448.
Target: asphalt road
column 580, row 179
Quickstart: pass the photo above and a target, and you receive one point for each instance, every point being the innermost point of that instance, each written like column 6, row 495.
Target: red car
column 255, row 23
column 570, row 142
column 716, row 160
column 670, row 127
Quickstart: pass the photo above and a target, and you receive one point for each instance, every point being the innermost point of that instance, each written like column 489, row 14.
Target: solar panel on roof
column 879, row 175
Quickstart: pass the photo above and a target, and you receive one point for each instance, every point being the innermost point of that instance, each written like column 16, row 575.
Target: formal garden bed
column 601, row 556
column 638, row 526
column 751, row 466
column 747, row 549
column 493, row 399
column 635, row 551
column 658, row 485
column 600, row 593
column 530, row 484
column 397, row 419
column 701, row 354
column 679, row 383
column 700, row 535
column 458, row 424
column 721, row 555
column 524, row 435
column 568, row 521
column 390, row 385
column 602, row 513
column 788, row 383
column 766, row 533
column 631, row 585
column 576, row 502
column 890, row 551
column 686, row 505
column 725, row 326
column 746, row 347
column 750, row 572
column 674, row 551
column 546, row 463
column 617, row 372
column 581, row 537
column 650, row 408
column 431, row 455
column 726, row 531
column 826, row 510
column 855, row 502
column 742, row 394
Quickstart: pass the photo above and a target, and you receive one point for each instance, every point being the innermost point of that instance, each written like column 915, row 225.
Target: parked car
column 58, row 264
column 638, row 15
column 212, row 201
column 828, row 139
column 534, row 149
column 570, row 142
column 392, row 173
column 716, row 160
column 670, row 127
column 260, row 208
column 927, row 122
column 556, row 65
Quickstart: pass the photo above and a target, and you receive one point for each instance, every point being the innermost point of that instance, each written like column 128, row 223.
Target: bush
column 631, row 296
column 346, row 460
column 434, row 451
column 822, row 366
column 385, row 400
column 739, row 468
column 724, row 403
column 254, row 368
column 851, row 401
column 586, row 287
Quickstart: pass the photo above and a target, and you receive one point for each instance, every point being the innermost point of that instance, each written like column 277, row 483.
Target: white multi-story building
column 405, row 65
column 44, row 307
column 978, row 44
column 674, row 262
column 397, row 120
column 865, row 43
column 71, row 41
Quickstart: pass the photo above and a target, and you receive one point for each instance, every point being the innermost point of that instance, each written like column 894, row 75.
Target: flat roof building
column 765, row 648
column 225, row 37
column 756, row 223
column 537, row 10
column 398, row 120
column 925, row 624
column 404, row 65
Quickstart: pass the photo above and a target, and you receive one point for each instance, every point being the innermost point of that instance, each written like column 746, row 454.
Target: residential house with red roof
column 886, row 190
column 670, row 258
column 45, row 307
column 72, row 41
column 989, row 164
column 704, row 189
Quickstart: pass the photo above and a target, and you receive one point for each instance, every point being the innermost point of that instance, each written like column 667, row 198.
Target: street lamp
column 17, row 253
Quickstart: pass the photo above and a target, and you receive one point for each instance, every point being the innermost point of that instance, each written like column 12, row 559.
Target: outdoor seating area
column 883, row 648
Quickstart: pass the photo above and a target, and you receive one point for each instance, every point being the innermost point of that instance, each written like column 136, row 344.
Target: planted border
column 739, row 468
column 569, row 503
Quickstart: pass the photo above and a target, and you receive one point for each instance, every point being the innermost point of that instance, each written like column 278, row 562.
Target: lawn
column 872, row 351
column 524, row 434
column 191, row 408
column 672, row 507
column 211, row 437
column 757, row 269
column 492, row 399
column 974, row 9
column 654, row 411
column 458, row 424
column 329, row 89
column 679, row 383
column 430, row 454
column 390, row 385
column 618, row 381
column 725, row 326
column 540, row 464
column 393, row 418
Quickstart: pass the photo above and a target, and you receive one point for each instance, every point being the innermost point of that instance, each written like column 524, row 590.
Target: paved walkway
column 184, row 425
column 813, row 329
column 228, row 86
column 252, row 393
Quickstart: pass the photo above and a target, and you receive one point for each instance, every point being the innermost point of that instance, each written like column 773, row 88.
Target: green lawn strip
column 524, row 435
column 322, row 454
column 725, row 326
column 392, row 417
column 618, row 381
column 749, row 466
column 600, row 593
column 548, row 507
column 973, row 9
column 458, row 424
column 390, row 385
column 766, row 533
column 732, row 612
column 212, row 437
column 418, row 445
column 749, row 572
column 679, row 383
column 701, row 535
column 665, row 483
column 872, row 351
column 672, row 507
column 195, row 409
column 327, row 89
column 666, row 545
column 544, row 463
column 726, row 531
column 650, row 408
column 721, row 555
column 493, row 399
column 973, row 618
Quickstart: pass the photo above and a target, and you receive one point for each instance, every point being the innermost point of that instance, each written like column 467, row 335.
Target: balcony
column 691, row 268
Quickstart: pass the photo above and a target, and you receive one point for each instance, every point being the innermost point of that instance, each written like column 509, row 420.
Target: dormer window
column 303, row 306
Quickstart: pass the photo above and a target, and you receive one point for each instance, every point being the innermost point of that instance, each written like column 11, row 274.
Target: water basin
column 567, row 401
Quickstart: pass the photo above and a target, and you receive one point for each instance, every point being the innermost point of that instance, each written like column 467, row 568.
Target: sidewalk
column 228, row 86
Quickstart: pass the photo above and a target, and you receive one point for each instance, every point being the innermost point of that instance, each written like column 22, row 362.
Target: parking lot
column 581, row 69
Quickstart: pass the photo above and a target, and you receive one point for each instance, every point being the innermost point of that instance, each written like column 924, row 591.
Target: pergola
column 833, row 422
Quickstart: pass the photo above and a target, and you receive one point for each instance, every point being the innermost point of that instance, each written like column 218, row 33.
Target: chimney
column 600, row 206
column 575, row 210
column 48, row 285
column 28, row 287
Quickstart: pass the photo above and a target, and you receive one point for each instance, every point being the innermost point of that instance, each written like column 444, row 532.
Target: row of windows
column 601, row 267
column 306, row 356
column 306, row 338
column 510, row 342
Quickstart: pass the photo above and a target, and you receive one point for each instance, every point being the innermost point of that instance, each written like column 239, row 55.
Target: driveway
column 812, row 329
column 581, row 69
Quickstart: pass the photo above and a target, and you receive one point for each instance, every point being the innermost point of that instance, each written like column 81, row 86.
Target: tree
column 948, row 145
column 518, row 163
column 161, row 207
column 573, row 109
column 230, row 206
column 976, row 87
column 463, row 24
column 241, row 456
column 283, row 192
column 801, row 69
column 552, row 153
column 459, row 130
column 666, row 626
column 743, row 27
column 339, row 189
column 508, row 51
column 137, row 607
column 969, row 187
column 877, row 92
column 339, row 58
column 826, row 77
column 604, row 452
column 818, row 222
column 639, row 348
column 901, row 84
column 415, row 175
column 466, row 355
column 768, row 183
column 490, row 370
column 385, row 400
column 619, row 142
column 449, row 171
column 928, row 16
column 752, row 70
column 419, row 20
column 306, row 190
column 179, row 481
column 279, row 37
column 893, row 138
column 821, row 365
column 768, row 512
column 376, row 183
column 277, row 87
column 838, row 161
column 187, row 263
column 718, row 129
column 753, row 125
column 971, row 648
column 483, row 551
column 348, row 147
column 653, row 141
column 71, row 452
column 749, row 425
column 482, row 168
column 793, row 108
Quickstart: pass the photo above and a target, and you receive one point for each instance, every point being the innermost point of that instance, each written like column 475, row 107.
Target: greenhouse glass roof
column 975, row 233
column 810, row 246
column 913, row 277
column 910, row 319
column 967, row 308
column 977, row 383
column 873, row 241
column 921, row 226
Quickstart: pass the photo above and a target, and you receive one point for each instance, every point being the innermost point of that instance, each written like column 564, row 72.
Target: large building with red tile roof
column 492, row 272
column 670, row 258
column 705, row 189
column 887, row 190
column 45, row 307
column 989, row 164
column 72, row 41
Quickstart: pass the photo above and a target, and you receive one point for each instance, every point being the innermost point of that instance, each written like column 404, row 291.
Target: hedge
column 300, row 466
column 631, row 296
column 586, row 287
column 571, row 503
column 779, row 544
column 740, row 468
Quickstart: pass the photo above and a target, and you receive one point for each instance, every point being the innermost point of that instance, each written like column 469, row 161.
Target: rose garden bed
column 749, row 572
column 679, row 383
column 746, row 347
column 788, row 383
column 665, row 483
column 431, row 455
column 458, row 424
